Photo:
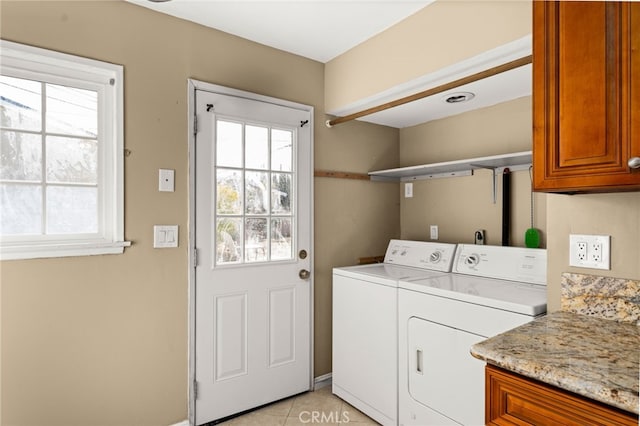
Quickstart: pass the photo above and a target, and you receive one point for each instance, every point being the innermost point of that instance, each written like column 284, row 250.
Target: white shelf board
column 453, row 168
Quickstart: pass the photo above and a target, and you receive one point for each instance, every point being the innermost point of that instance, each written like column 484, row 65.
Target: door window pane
column 229, row 191
column 257, row 190
column 281, row 150
column 21, row 104
column 228, row 240
column 281, row 238
column 20, row 209
column 20, row 156
column 71, row 160
column 228, row 144
column 256, row 237
column 257, row 151
column 281, row 193
column 72, row 210
column 72, row 111
column 254, row 184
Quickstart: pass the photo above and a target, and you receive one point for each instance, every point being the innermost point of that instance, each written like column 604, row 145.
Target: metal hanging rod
column 435, row 90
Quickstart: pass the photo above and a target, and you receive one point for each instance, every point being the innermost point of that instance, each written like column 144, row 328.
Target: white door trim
column 192, row 86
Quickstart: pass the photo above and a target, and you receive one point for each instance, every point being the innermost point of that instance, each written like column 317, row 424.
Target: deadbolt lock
column 302, row 254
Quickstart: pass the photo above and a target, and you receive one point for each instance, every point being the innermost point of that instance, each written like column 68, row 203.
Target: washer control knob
column 435, row 257
column 472, row 260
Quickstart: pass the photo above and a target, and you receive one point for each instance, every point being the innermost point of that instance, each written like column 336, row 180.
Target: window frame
column 28, row 62
column 243, row 215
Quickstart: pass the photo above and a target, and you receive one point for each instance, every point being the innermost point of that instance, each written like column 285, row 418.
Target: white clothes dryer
column 365, row 324
column 491, row 290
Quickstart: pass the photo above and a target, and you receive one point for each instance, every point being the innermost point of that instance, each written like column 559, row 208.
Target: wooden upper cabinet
column 586, row 96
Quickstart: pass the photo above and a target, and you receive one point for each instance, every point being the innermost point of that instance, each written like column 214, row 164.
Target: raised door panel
column 583, row 108
column 515, row 400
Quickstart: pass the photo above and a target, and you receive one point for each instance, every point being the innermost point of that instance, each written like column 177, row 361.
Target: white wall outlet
column 433, row 230
column 590, row 251
column 166, row 182
column 408, row 190
column 582, row 251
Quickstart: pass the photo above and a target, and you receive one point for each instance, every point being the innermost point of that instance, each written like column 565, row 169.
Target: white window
column 254, row 172
column 61, row 154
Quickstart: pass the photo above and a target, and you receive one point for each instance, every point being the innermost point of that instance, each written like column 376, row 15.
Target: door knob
column 634, row 163
column 304, row 274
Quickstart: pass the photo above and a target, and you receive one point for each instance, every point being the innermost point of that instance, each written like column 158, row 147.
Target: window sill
column 40, row 251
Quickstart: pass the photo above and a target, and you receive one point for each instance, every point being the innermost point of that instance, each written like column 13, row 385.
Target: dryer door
column 442, row 373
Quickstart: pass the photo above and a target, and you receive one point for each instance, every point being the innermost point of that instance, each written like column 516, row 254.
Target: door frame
column 192, row 86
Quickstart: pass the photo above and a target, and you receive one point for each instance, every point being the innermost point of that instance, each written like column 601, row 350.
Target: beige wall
column 462, row 205
column 442, row 34
column 617, row 215
column 103, row 340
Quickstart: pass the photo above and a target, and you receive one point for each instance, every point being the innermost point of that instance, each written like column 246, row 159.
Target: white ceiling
column 323, row 29
column 316, row 29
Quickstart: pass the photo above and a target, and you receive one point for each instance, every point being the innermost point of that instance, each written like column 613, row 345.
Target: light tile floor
column 317, row 408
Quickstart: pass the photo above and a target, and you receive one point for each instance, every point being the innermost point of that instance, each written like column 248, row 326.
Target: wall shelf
column 515, row 161
column 497, row 163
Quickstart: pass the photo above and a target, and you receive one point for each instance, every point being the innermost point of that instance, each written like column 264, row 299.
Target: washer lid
column 514, row 296
column 384, row 273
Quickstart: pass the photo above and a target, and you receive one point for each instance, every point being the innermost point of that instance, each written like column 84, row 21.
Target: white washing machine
column 491, row 290
column 365, row 324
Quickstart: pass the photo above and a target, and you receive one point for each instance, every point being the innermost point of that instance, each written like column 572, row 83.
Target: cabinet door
column 585, row 103
column 516, row 400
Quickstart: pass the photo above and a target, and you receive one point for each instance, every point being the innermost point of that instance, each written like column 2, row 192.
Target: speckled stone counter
column 591, row 348
column 604, row 297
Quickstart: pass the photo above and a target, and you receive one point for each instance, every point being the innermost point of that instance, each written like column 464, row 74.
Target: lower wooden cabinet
column 512, row 399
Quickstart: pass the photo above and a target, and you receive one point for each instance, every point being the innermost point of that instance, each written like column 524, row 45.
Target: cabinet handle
column 634, row 163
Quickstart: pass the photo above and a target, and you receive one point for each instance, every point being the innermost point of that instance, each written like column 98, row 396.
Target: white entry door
column 253, row 225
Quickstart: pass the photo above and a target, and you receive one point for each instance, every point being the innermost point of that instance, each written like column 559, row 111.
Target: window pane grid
column 254, row 176
column 67, row 177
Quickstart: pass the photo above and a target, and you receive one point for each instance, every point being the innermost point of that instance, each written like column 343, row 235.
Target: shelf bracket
column 496, row 170
column 495, row 181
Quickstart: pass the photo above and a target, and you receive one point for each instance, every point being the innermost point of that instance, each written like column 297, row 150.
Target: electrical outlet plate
column 433, row 232
column 408, row 190
column 590, row 251
column 166, row 180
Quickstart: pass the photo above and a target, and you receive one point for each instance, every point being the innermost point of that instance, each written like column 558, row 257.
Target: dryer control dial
column 435, row 257
column 472, row 260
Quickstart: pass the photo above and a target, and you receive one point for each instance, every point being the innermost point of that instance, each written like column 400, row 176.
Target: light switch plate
column 165, row 236
column 166, row 180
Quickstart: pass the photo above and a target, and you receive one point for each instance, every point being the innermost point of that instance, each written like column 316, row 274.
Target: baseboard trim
column 322, row 381
column 182, row 423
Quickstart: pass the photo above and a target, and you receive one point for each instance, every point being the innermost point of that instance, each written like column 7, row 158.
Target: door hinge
column 195, row 124
column 195, row 389
column 195, row 257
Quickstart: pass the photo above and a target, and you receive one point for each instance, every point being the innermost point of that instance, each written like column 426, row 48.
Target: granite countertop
column 587, row 355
